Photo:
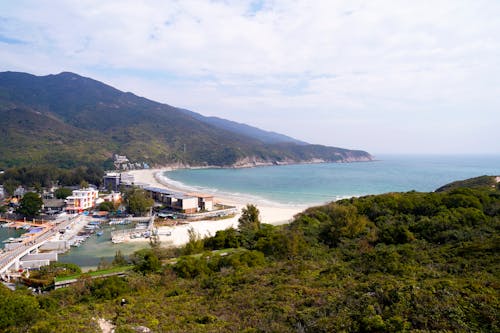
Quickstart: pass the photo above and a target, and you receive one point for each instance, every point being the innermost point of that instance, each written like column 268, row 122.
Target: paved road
column 10, row 256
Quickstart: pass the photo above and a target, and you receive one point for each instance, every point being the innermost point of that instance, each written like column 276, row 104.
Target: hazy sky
column 383, row 76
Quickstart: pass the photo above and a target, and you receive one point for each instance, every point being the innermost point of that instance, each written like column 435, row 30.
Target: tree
column 62, row 193
column 107, row 206
column 249, row 219
column 138, row 202
column 10, row 186
column 146, row 261
column 30, row 205
column 343, row 221
column 249, row 224
column 16, row 308
column 119, row 259
column 196, row 243
column 38, row 187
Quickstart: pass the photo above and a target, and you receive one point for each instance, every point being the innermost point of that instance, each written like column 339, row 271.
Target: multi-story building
column 188, row 203
column 112, row 181
column 81, row 200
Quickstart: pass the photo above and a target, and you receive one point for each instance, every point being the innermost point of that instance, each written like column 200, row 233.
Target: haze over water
column 318, row 183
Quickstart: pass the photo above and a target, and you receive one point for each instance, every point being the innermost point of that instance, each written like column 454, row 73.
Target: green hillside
column 396, row 262
column 477, row 182
column 67, row 119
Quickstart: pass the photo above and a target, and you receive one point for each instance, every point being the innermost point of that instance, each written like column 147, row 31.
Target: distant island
column 67, row 120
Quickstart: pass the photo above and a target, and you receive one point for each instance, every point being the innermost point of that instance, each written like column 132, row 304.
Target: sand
column 272, row 213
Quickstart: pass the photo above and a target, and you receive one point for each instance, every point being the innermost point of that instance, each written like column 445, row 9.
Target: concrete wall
column 51, row 256
column 59, row 246
column 189, row 203
column 34, row 263
column 209, row 204
column 10, row 246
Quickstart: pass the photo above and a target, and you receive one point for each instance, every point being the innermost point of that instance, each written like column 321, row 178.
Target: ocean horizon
column 311, row 184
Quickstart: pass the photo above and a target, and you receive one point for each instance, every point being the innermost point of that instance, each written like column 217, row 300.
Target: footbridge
column 11, row 258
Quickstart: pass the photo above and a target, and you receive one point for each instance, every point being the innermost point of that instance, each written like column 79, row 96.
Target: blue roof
column 35, row 230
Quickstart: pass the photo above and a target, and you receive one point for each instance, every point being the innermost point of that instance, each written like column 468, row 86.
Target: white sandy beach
column 269, row 212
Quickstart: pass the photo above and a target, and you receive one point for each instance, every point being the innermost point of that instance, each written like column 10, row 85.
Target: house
column 127, row 179
column 81, row 200
column 19, row 192
column 205, row 201
column 111, row 181
column 53, row 206
column 176, row 201
column 120, row 159
column 114, row 197
column 185, row 203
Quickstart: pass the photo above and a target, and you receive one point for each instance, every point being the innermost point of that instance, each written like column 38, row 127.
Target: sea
column 309, row 184
column 303, row 185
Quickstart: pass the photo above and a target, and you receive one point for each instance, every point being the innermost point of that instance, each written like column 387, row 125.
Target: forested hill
column 67, row 119
column 395, row 262
column 477, row 182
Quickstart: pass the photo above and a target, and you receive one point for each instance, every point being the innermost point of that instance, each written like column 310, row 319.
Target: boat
column 117, row 240
column 99, row 233
column 10, row 240
column 119, row 221
column 91, row 227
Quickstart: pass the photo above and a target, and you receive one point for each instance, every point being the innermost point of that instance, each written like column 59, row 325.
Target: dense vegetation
column 46, row 176
column 477, row 182
column 386, row 263
column 66, row 120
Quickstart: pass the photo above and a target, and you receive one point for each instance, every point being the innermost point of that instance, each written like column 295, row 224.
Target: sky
column 382, row 76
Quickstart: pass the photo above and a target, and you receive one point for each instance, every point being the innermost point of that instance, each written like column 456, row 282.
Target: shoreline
column 270, row 213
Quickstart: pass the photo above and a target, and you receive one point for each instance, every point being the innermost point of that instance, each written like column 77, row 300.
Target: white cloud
column 364, row 68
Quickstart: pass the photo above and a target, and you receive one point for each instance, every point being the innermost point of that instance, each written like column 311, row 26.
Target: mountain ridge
column 65, row 119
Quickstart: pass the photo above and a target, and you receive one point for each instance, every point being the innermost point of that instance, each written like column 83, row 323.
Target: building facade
column 111, row 181
column 175, row 201
column 81, row 200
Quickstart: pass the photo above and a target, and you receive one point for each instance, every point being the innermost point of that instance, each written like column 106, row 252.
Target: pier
column 11, row 258
column 120, row 235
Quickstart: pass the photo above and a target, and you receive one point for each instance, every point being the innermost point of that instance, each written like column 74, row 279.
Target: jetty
column 148, row 230
column 26, row 252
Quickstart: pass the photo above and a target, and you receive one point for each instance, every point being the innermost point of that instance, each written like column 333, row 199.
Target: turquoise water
column 6, row 233
column 305, row 184
column 319, row 183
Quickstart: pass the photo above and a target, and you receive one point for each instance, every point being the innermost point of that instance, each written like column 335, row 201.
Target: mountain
column 244, row 129
column 481, row 182
column 67, row 119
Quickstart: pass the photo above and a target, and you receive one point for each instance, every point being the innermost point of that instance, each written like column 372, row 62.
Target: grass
column 101, row 272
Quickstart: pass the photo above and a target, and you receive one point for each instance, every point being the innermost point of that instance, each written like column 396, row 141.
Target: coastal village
column 65, row 223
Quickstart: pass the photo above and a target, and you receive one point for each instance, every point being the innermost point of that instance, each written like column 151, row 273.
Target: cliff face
column 66, row 120
column 253, row 161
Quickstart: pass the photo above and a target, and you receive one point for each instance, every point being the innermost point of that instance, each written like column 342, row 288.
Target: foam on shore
column 271, row 212
column 234, row 198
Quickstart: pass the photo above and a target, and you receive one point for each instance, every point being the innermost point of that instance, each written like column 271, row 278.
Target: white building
column 81, row 200
column 114, row 197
